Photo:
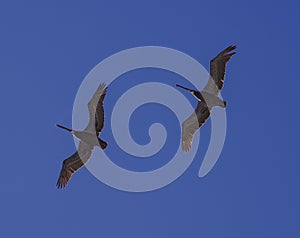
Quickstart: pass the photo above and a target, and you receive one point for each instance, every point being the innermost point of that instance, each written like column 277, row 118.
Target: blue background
column 47, row 49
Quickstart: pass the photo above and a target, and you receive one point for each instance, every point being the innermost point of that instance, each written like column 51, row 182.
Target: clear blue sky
column 47, row 49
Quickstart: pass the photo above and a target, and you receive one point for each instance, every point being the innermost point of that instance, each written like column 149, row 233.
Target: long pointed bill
column 65, row 128
column 190, row 90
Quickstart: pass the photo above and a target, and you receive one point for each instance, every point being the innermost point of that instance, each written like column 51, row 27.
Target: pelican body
column 89, row 138
column 211, row 100
column 207, row 98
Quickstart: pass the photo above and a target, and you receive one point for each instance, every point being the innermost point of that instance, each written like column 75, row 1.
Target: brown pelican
column 89, row 137
column 208, row 97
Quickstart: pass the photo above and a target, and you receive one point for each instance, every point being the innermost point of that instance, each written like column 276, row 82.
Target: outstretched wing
column 192, row 124
column 73, row 163
column 217, row 70
column 100, row 112
column 96, row 110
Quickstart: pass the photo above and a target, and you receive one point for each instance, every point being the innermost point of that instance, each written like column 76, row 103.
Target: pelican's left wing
column 192, row 124
column 73, row 163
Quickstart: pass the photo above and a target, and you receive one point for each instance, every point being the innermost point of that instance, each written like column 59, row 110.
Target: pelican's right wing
column 96, row 110
column 192, row 124
column 217, row 70
column 73, row 163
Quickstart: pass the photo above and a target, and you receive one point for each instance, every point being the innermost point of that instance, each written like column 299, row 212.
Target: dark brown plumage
column 217, row 70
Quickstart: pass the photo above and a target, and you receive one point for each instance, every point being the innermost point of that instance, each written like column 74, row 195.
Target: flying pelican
column 208, row 97
column 89, row 137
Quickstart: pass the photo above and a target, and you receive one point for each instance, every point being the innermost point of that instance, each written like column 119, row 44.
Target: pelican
column 89, row 138
column 207, row 98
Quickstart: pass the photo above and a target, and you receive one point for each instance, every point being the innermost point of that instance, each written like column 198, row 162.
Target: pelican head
column 197, row 94
column 187, row 89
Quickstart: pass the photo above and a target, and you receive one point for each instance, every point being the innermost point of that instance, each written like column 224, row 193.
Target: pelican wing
column 192, row 124
column 73, row 163
column 100, row 112
column 217, row 70
column 96, row 110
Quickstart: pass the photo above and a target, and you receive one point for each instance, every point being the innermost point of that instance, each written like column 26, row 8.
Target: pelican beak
column 187, row 89
column 65, row 128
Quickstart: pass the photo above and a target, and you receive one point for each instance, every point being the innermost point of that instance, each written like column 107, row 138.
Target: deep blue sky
column 47, row 49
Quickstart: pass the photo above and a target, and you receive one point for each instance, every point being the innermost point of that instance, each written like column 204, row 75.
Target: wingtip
column 62, row 180
column 60, row 184
column 104, row 85
column 186, row 147
column 228, row 51
column 231, row 47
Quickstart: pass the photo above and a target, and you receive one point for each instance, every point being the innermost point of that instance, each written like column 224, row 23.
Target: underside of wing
column 192, row 124
column 217, row 70
column 96, row 110
column 73, row 163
